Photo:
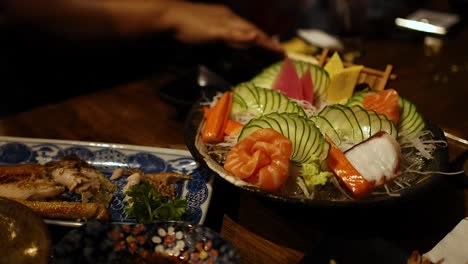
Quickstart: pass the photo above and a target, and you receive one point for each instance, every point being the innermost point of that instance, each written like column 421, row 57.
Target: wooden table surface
column 132, row 112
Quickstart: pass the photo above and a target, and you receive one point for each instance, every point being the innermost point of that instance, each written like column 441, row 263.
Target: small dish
column 24, row 236
column 160, row 242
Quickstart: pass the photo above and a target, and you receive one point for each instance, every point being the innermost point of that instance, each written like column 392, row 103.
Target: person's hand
column 201, row 23
column 190, row 22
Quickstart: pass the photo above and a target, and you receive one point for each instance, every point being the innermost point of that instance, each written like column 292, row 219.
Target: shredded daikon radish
column 402, row 182
column 423, row 143
column 300, row 182
column 210, row 102
column 338, row 186
column 399, row 184
column 309, row 108
column 242, row 117
column 389, row 192
column 434, row 172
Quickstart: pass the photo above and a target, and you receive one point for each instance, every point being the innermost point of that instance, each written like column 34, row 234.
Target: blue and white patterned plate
column 107, row 157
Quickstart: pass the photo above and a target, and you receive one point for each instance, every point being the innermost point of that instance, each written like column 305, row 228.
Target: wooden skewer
column 323, row 57
column 387, row 75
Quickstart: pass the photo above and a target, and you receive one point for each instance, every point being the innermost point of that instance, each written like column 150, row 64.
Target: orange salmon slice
column 262, row 159
column 383, row 102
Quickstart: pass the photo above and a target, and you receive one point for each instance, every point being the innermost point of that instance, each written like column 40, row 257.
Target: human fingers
column 260, row 40
column 243, row 39
column 243, row 30
column 265, row 41
column 239, row 35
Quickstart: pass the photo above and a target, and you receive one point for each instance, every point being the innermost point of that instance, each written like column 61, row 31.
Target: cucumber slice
column 358, row 98
column 245, row 99
column 289, row 128
column 375, row 122
column 349, row 131
column 259, row 101
column 358, row 135
column 353, row 124
column 371, row 122
column 411, row 121
column 278, row 123
column 388, row 126
column 364, row 121
column 320, row 77
column 303, row 133
column 339, row 121
column 326, row 128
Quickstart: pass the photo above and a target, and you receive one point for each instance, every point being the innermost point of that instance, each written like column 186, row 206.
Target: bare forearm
column 90, row 18
column 189, row 22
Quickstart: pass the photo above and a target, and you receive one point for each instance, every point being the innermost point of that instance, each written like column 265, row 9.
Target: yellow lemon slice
column 342, row 80
column 334, row 64
column 342, row 84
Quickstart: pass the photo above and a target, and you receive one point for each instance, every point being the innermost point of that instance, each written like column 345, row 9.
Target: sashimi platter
column 304, row 132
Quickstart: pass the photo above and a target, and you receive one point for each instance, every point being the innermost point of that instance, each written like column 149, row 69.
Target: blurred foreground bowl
column 24, row 236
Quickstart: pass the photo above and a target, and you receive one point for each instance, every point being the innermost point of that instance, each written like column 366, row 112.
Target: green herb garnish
column 147, row 205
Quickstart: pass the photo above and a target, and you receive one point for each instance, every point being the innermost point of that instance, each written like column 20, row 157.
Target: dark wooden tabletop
column 132, row 111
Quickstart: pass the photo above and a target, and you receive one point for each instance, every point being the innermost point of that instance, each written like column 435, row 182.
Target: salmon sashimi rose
column 262, row 159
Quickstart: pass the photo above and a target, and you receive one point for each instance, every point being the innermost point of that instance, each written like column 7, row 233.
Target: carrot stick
column 232, row 127
column 345, row 171
column 206, row 111
column 217, row 119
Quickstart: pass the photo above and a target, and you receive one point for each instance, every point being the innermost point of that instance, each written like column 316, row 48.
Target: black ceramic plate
column 195, row 121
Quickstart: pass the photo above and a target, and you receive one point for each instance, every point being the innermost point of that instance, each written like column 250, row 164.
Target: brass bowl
column 23, row 234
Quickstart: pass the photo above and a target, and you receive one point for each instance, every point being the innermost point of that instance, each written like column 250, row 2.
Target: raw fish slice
column 308, row 93
column 383, row 102
column 288, row 81
column 269, row 151
column 377, row 158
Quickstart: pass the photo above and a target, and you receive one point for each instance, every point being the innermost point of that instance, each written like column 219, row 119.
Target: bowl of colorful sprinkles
column 323, row 133
column 159, row 242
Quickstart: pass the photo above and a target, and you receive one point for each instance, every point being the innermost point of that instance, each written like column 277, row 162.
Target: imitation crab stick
column 345, row 171
column 206, row 111
column 232, row 127
column 217, row 119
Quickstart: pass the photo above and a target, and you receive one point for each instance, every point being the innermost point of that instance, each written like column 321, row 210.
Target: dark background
column 38, row 68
